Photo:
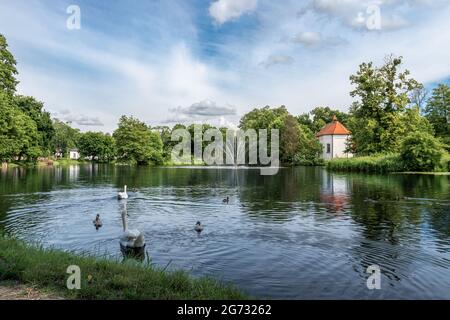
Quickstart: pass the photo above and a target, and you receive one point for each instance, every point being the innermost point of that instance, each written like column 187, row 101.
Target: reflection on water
column 304, row 233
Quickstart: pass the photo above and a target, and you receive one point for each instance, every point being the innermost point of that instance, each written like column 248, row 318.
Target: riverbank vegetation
column 392, row 115
column 45, row 269
column 394, row 126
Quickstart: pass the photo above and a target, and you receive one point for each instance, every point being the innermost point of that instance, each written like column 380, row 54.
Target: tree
column 136, row 142
column 97, row 146
column 320, row 116
column 421, row 152
column 8, row 69
column 437, row 112
column 65, row 137
column 35, row 110
column 384, row 94
column 298, row 145
column 18, row 132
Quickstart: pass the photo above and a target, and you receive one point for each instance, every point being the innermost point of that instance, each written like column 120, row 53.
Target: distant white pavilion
column 334, row 138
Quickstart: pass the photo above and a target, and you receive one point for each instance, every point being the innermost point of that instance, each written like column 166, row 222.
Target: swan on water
column 131, row 238
column 124, row 194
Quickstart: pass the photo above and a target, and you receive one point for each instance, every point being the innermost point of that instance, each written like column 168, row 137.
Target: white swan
column 124, row 194
column 133, row 238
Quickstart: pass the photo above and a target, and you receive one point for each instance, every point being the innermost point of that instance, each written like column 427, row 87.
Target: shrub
column 421, row 151
column 379, row 163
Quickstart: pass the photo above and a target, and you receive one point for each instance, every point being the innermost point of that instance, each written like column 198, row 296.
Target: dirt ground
column 21, row 292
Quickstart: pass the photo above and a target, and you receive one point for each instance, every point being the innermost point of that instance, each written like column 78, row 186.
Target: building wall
column 326, row 140
column 340, row 144
column 74, row 155
column 336, row 145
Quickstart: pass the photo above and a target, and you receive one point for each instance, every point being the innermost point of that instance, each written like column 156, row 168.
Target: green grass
column 371, row 164
column 46, row 269
column 65, row 162
column 384, row 163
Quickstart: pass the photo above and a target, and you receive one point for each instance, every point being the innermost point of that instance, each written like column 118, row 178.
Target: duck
column 98, row 222
column 198, row 227
column 124, row 194
column 226, row 200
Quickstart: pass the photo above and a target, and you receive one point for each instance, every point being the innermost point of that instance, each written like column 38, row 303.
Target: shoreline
column 45, row 270
column 68, row 162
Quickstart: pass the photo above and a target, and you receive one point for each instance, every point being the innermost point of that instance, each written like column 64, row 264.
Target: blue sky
column 213, row 60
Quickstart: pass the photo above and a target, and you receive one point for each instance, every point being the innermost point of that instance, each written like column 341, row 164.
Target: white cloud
column 78, row 119
column 203, row 111
column 206, row 108
column 277, row 59
column 313, row 40
column 226, row 10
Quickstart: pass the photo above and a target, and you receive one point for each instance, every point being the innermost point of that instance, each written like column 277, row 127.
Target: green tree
column 437, row 111
column 18, row 132
column 320, row 116
column 421, row 151
column 136, row 142
column 65, row 137
column 8, row 69
column 97, row 146
column 35, row 109
column 298, row 145
column 383, row 95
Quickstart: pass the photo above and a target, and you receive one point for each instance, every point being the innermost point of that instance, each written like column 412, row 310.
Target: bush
column 421, row 151
column 379, row 163
column 444, row 166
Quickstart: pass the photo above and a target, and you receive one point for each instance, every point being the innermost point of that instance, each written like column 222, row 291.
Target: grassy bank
column 101, row 278
column 378, row 164
column 372, row 164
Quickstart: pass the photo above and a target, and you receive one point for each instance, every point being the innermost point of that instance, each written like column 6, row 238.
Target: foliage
column 8, row 69
column 18, row 132
column 35, row 109
column 65, row 137
column 320, row 116
column 381, row 163
column 97, row 146
column 421, row 151
column 298, row 145
column 376, row 119
column 136, row 142
column 437, row 111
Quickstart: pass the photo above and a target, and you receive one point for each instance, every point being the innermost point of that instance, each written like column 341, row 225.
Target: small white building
column 74, row 154
column 334, row 137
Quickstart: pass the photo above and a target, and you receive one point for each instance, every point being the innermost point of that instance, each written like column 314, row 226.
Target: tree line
column 391, row 111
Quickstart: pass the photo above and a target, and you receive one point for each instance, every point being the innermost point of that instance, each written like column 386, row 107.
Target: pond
column 304, row 233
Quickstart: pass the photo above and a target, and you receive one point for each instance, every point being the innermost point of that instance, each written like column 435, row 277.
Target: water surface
column 304, row 233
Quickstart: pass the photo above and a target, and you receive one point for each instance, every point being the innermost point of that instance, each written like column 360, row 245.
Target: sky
column 212, row 61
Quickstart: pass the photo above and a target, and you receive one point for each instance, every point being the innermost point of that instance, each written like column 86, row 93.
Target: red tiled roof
column 334, row 128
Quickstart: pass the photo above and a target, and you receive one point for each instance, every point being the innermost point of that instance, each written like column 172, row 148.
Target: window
column 328, row 148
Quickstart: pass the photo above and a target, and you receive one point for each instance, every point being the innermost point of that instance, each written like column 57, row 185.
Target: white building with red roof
column 334, row 137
